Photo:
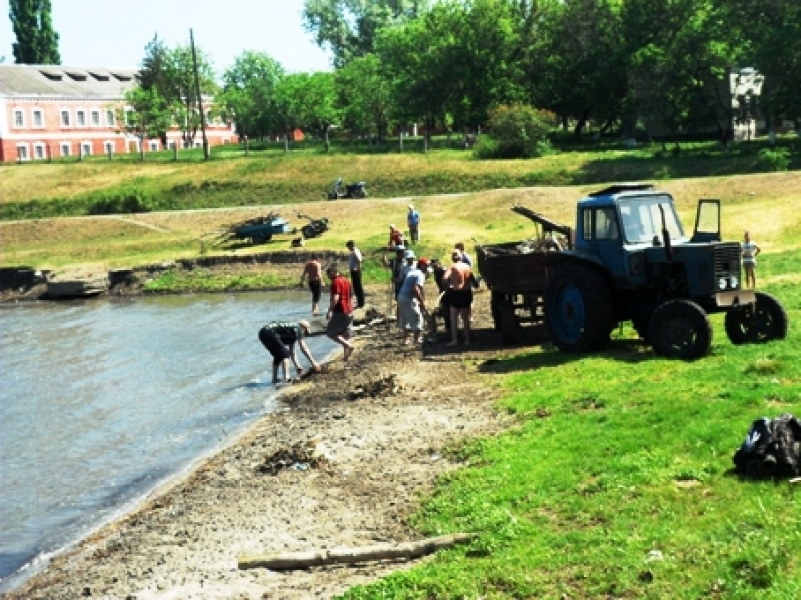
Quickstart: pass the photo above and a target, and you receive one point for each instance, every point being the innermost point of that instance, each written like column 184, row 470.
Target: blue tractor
column 629, row 259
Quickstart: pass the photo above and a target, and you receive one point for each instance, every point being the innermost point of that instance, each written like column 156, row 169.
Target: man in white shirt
column 355, row 265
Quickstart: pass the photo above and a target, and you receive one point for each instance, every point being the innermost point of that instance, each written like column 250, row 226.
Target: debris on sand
column 298, row 458
column 376, row 388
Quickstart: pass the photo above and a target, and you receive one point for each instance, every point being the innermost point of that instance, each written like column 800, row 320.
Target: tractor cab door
column 707, row 221
column 602, row 235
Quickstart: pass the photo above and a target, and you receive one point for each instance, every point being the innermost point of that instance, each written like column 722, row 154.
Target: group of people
column 408, row 273
column 280, row 339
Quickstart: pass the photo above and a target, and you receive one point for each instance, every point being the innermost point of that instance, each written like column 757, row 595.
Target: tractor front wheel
column 680, row 329
column 764, row 321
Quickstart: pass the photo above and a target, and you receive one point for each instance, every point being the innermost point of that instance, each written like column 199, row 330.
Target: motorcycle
column 340, row 190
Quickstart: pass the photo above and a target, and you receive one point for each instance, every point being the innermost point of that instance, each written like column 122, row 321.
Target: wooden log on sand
column 311, row 558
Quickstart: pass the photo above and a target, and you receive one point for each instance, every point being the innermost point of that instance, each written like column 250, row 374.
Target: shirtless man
column 312, row 271
column 460, row 297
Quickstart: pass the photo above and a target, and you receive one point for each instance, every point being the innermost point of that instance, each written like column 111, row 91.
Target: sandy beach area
column 343, row 463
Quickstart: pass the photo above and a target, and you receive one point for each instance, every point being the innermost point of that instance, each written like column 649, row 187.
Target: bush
column 516, row 131
column 125, row 201
column 774, row 159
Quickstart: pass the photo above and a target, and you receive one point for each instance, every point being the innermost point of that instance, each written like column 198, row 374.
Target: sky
column 114, row 33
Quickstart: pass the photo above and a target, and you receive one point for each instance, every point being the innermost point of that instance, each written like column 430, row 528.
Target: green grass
column 204, row 280
column 268, row 176
column 617, row 480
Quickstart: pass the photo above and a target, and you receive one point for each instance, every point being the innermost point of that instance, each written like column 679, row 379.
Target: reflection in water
column 103, row 399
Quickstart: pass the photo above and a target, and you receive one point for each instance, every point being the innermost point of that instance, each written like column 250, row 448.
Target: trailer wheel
column 680, row 329
column 578, row 308
column 765, row 321
column 508, row 323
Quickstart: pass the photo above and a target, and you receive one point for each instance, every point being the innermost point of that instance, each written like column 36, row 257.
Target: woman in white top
column 750, row 250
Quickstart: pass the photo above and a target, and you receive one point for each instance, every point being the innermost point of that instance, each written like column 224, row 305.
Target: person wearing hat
column 409, row 263
column 279, row 338
column 340, row 311
column 396, row 237
column 355, row 267
column 411, row 301
column 413, row 221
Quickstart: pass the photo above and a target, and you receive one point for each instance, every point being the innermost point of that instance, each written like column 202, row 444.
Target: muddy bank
column 28, row 284
column 342, row 464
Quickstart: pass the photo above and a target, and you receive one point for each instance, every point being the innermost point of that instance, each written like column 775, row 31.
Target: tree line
column 453, row 64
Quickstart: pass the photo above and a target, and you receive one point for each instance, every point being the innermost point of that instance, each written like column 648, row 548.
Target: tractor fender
column 554, row 259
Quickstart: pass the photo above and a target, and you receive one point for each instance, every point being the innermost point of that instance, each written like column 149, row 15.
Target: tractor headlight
column 722, row 283
column 734, row 282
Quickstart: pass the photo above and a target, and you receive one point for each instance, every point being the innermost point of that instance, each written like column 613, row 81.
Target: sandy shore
column 361, row 441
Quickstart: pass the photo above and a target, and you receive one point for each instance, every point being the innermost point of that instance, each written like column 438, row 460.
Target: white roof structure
column 56, row 81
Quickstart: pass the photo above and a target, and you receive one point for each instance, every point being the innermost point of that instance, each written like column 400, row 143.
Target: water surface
column 102, row 400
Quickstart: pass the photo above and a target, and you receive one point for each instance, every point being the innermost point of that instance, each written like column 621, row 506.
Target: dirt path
column 362, row 441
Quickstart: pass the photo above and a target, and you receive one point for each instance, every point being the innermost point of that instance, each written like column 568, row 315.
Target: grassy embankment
column 268, row 180
column 617, row 482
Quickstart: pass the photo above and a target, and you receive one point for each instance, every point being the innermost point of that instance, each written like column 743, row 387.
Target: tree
column 153, row 73
column 364, row 95
column 37, row 41
column 350, row 27
column 766, row 35
column 146, row 114
column 250, row 93
column 314, row 102
column 181, row 94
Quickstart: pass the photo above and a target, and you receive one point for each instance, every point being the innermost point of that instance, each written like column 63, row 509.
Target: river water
column 103, row 400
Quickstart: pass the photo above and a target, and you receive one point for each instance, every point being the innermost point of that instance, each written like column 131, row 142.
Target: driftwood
column 310, row 558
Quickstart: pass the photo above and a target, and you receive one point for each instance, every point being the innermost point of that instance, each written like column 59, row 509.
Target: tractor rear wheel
column 765, row 321
column 578, row 308
column 308, row 232
column 680, row 329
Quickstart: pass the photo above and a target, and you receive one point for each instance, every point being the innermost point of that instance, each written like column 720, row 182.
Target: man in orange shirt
column 460, row 296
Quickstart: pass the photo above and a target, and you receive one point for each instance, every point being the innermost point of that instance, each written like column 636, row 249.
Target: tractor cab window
column 642, row 220
column 606, row 224
column 600, row 224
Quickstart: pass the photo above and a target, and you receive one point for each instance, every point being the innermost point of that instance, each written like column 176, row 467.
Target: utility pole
column 199, row 98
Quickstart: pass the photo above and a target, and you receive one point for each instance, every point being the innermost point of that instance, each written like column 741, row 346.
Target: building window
column 111, row 118
column 38, row 118
column 109, row 147
column 19, row 118
column 22, row 152
column 129, row 116
column 184, row 144
column 39, row 151
column 154, row 146
column 65, row 119
column 86, row 149
column 95, row 118
column 171, row 145
column 66, row 150
column 80, row 118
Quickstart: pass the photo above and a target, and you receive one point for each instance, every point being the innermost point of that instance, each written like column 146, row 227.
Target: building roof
column 65, row 82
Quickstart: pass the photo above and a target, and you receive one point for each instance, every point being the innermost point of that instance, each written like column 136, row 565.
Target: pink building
column 50, row 111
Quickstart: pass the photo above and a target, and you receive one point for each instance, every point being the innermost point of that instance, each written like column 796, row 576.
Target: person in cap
column 340, row 310
column 355, row 267
column 409, row 259
column 396, row 237
column 411, row 301
column 280, row 338
column 413, row 221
